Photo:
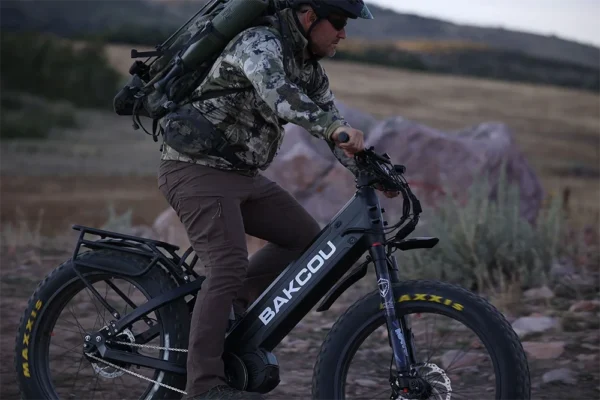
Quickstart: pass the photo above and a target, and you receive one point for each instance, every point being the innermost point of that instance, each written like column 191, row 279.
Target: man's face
column 327, row 34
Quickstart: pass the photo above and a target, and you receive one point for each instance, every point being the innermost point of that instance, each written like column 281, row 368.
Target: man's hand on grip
column 355, row 142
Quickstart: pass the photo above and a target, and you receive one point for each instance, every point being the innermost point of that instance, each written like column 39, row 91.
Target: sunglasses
column 337, row 23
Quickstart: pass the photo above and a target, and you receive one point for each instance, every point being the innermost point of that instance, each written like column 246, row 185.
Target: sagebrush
column 54, row 68
column 485, row 243
column 31, row 117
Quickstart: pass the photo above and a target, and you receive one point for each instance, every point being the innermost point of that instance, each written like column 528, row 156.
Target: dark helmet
column 350, row 8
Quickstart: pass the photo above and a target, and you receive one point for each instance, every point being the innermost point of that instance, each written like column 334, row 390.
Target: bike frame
column 310, row 277
column 357, row 228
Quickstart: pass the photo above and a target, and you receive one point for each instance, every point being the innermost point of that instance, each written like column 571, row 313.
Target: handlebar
column 343, row 137
column 378, row 169
column 378, row 165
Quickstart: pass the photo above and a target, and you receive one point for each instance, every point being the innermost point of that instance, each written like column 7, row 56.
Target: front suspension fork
column 399, row 332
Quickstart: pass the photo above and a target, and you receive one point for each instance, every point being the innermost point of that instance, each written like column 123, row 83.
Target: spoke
column 95, row 385
column 68, row 349
column 76, row 375
column 65, row 329
column 381, row 393
column 81, row 330
column 105, row 299
column 446, row 335
column 459, row 352
column 442, row 339
column 69, row 352
column 69, row 367
column 68, row 357
column 92, row 298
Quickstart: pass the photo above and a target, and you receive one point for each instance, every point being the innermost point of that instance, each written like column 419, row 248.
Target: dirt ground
column 568, row 351
column 76, row 176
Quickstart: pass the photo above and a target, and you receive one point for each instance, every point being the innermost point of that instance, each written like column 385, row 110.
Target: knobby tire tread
column 490, row 322
column 175, row 319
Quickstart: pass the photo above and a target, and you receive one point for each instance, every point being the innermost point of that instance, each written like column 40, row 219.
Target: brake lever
column 384, row 158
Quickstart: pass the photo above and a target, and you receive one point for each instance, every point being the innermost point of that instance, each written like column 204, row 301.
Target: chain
column 135, row 373
column 147, row 346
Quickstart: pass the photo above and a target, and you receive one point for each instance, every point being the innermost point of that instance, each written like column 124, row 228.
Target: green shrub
column 132, row 34
column 54, row 68
column 486, row 243
column 30, row 117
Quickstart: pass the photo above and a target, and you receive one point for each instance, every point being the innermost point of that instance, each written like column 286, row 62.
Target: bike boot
column 227, row 392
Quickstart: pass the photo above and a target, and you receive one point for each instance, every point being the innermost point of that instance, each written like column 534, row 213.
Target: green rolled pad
column 233, row 19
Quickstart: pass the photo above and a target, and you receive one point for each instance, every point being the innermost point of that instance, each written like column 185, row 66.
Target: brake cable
column 389, row 177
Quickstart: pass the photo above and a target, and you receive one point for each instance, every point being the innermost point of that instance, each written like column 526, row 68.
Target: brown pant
column 217, row 208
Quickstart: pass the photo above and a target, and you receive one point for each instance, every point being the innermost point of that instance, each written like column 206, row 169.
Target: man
column 218, row 200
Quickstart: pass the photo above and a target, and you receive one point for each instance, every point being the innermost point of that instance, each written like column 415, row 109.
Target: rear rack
column 149, row 248
column 104, row 234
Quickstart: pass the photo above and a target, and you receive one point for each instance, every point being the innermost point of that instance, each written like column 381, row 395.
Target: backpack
column 166, row 80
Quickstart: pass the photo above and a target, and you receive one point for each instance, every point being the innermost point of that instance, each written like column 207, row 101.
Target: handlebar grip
column 343, row 137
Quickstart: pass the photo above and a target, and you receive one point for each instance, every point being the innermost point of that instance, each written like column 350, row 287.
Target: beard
column 320, row 53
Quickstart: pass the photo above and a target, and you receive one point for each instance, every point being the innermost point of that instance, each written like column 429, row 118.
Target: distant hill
column 391, row 25
column 470, row 59
column 68, row 17
column 400, row 40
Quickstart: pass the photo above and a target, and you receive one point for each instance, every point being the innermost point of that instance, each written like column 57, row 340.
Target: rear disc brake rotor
column 106, row 371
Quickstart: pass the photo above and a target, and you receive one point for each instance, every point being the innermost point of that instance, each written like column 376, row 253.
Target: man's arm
column 261, row 61
column 324, row 98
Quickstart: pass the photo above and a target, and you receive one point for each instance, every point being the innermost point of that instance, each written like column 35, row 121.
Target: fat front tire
column 494, row 331
column 35, row 331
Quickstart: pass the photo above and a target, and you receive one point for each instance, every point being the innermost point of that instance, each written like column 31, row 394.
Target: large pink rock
column 299, row 168
column 438, row 161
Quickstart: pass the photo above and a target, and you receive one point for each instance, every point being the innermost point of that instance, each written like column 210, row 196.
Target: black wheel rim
column 371, row 392
column 47, row 330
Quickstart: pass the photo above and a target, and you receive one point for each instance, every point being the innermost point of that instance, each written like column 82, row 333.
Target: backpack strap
column 157, row 130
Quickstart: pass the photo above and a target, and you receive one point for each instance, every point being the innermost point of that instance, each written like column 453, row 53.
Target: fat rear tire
column 57, row 289
column 495, row 332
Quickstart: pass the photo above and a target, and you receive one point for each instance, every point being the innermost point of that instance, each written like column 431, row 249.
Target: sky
column 577, row 20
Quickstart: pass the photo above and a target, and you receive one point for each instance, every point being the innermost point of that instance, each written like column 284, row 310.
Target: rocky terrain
column 77, row 175
column 558, row 325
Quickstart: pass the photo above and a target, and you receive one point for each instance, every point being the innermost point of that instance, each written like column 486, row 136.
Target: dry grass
column 557, row 129
column 422, row 46
column 23, row 234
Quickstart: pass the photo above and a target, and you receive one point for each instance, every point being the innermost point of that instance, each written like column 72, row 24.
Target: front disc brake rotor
column 441, row 388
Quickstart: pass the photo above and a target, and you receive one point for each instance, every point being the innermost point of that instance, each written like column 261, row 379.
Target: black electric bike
column 138, row 349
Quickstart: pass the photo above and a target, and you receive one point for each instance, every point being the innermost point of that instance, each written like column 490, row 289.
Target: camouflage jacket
column 297, row 93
